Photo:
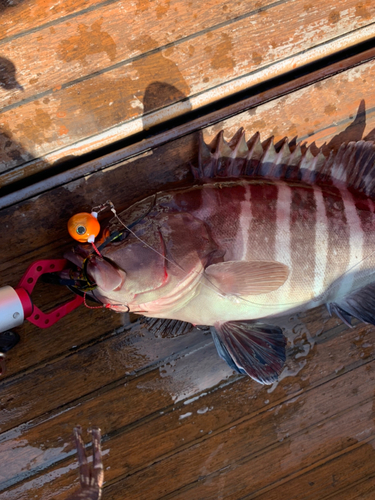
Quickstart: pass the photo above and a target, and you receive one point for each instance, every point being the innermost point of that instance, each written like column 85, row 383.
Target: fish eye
column 81, row 229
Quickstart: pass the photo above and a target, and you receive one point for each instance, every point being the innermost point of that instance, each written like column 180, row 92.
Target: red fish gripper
column 16, row 304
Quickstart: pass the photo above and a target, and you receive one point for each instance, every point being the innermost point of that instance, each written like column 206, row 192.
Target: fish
column 265, row 230
column 91, row 476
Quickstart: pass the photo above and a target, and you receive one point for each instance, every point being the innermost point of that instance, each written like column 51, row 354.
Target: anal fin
column 340, row 313
column 359, row 304
column 253, row 348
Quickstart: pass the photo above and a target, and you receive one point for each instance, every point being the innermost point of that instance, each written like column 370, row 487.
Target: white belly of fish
column 205, row 304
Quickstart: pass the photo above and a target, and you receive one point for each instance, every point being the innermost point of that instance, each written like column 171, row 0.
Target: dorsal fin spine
column 352, row 165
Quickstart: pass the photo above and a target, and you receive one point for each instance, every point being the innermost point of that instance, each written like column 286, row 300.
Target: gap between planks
column 250, row 416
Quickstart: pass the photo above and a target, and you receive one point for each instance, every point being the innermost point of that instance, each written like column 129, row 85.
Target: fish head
column 151, row 262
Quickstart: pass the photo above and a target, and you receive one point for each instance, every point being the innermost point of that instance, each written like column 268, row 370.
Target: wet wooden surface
column 78, row 75
column 177, row 423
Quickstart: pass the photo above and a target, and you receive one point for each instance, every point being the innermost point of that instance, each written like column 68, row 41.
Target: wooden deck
column 176, row 422
column 79, row 75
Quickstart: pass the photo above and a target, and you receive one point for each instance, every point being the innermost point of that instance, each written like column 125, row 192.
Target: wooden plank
column 333, row 479
column 168, row 439
column 68, row 55
column 361, row 490
column 344, row 90
column 327, row 114
column 57, row 118
column 234, row 453
column 210, row 372
column 133, row 389
column 355, row 465
column 83, row 371
column 46, row 346
column 151, row 398
column 38, row 347
column 235, row 480
column 177, row 132
column 22, row 16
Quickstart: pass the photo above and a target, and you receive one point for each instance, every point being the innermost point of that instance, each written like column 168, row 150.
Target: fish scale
column 266, row 230
column 264, row 219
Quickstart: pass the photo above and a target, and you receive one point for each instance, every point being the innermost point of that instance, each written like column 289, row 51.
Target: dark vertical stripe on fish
column 186, row 200
column 338, row 235
column 263, row 223
column 303, row 234
column 365, row 211
column 222, row 205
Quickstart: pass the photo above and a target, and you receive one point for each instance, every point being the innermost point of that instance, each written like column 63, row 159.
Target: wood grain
column 20, row 16
column 299, row 439
column 329, row 108
column 177, row 423
column 145, row 146
column 74, row 90
column 363, row 489
column 205, row 35
column 141, row 341
column 164, row 439
column 334, row 101
column 333, row 479
column 83, row 371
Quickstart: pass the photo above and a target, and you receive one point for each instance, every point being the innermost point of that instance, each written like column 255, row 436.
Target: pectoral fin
column 248, row 278
column 253, row 348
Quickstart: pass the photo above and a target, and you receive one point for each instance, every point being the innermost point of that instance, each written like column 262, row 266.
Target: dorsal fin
column 351, row 166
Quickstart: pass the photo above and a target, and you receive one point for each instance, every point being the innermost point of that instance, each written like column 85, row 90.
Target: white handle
column 11, row 310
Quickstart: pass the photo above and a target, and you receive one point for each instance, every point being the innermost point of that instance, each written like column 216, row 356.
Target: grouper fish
column 265, row 230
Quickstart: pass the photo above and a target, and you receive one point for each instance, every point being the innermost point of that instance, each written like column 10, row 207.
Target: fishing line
column 109, row 204
column 103, row 306
column 337, row 282
column 211, row 286
column 113, row 210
